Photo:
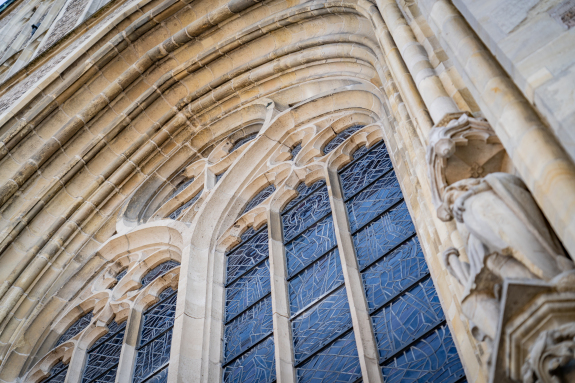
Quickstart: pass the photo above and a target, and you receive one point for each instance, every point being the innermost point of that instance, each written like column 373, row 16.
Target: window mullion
column 284, row 354
column 128, row 353
column 365, row 340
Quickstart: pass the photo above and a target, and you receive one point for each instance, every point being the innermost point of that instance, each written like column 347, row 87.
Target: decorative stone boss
column 507, row 239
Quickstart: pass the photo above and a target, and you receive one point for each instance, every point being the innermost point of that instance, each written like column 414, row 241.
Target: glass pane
column 340, row 137
column 57, row 373
column 121, row 274
column 108, row 377
column 407, row 318
column 159, row 317
column 256, row 365
column 179, row 210
column 315, row 281
column 432, row 359
column 246, row 255
column 320, row 324
column 248, row 328
column 365, row 170
column 295, row 151
column 305, row 213
column 159, row 377
column 311, row 244
column 373, row 200
column 161, row 269
column 247, row 290
column 153, row 356
column 394, row 273
column 382, row 235
column 104, row 356
column 75, row 328
column 337, row 363
column 303, row 191
column 259, row 198
column 242, row 141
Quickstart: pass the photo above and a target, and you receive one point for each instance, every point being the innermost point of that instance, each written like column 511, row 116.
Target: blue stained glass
column 182, row 186
column 248, row 328
column 57, row 373
column 394, row 273
column 303, row 191
column 259, row 198
column 246, row 255
column 337, row 363
column 159, row 376
column 108, row 377
column 340, row 137
column 113, row 327
column 153, row 356
column 315, row 281
column 362, row 172
column 250, row 231
column 75, row 328
column 242, row 141
column 105, row 355
column 309, row 245
column 360, row 152
column 219, row 176
column 305, row 213
column 295, row 151
column 157, row 271
column 121, row 274
column 248, row 289
column 159, row 317
column 256, row 365
column 432, row 359
column 320, row 324
column 407, row 318
column 373, row 200
column 179, row 210
column 383, row 234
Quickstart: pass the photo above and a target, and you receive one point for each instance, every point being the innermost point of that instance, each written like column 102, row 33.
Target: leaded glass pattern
column 320, row 313
column 248, row 342
column 338, row 363
column 433, row 358
column 57, row 373
column 256, row 365
column 75, row 328
column 155, row 342
column 103, row 357
column 295, row 151
column 340, row 137
column 176, row 213
column 321, row 324
column 413, row 343
column 248, row 328
column 260, row 197
column 242, row 141
column 157, row 271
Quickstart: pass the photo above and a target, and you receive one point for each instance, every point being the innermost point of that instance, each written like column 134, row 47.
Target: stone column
column 128, row 355
column 540, row 160
column 438, row 102
column 283, row 342
column 364, row 338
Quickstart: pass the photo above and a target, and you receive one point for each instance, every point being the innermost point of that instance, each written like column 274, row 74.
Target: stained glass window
column 103, row 357
column 242, row 141
column 153, row 351
column 157, row 271
column 248, row 341
column 75, row 328
column 324, row 346
column 259, row 198
column 340, row 137
column 413, row 341
column 179, row 210
column 121, row 274
column 57, row 373
column 295, row 151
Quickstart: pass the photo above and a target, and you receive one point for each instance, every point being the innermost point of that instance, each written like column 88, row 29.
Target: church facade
column 287, row 191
